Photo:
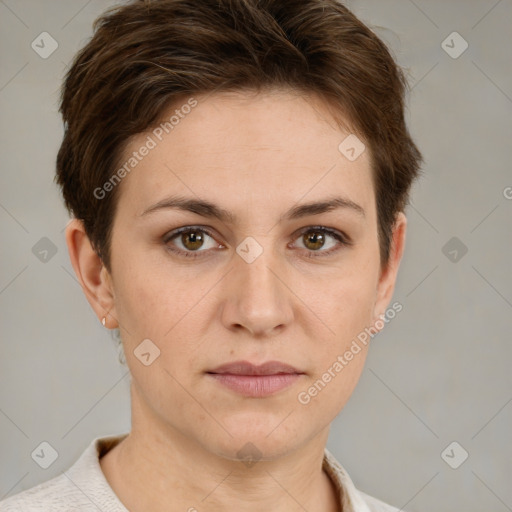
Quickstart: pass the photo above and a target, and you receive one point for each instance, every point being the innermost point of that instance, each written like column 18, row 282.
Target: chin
column 260, row 437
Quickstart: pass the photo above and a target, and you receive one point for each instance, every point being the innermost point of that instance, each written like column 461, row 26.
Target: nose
column 257, row 297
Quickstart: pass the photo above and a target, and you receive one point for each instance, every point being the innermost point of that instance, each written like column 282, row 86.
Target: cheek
column 171, row 309
column 352, row 310
column 153, row 306
column 348, row 300
column 346, row 306
column 338, row 360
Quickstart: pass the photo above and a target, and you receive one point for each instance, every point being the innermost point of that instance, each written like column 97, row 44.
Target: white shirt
column 84, row 488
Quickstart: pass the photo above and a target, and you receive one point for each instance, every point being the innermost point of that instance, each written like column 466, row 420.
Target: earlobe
column 91, row 273
column 389, row 273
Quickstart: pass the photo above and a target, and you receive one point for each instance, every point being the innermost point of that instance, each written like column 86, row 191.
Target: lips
column 255, row 381
column 246, row 368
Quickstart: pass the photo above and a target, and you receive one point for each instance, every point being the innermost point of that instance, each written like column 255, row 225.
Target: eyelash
column 341, row 238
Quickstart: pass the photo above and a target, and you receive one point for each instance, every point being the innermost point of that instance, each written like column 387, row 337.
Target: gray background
column 438, row 373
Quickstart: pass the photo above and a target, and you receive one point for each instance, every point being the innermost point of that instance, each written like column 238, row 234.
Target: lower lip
column 256, row 386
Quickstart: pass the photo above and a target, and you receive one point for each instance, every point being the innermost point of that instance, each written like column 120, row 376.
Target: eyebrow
column 211, row 210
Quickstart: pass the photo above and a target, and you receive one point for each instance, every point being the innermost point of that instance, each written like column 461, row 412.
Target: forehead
column 245, row 148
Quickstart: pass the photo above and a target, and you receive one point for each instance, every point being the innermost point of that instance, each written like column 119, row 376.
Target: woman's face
column 265, row 282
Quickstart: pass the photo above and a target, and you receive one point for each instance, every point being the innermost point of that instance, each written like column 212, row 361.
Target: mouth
column 249, row 369
column 256, row 381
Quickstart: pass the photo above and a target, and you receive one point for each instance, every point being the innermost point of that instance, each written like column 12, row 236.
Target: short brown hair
column 146, row 55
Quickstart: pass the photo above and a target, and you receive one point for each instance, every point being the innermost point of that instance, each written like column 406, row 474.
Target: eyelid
column 178, row 231
column 336, row 233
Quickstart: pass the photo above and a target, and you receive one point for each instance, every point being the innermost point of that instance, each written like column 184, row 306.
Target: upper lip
column 247, row 368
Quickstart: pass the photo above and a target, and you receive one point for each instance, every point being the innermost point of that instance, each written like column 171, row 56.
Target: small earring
column 103, row 321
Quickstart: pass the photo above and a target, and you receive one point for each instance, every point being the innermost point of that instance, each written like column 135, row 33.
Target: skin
column 256, row 155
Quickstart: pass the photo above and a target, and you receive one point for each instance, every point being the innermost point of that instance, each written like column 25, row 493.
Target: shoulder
column 351, row 498
column 57, row 494
column 82, row 487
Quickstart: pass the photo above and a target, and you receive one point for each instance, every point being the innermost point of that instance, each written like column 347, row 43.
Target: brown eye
column 321, row 241
column 192, row 240
column 313, row 240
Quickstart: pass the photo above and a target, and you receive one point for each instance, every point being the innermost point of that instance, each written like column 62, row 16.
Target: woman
column 237, row 172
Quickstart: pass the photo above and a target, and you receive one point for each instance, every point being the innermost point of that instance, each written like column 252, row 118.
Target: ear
column 92, row 275
column 389, row 272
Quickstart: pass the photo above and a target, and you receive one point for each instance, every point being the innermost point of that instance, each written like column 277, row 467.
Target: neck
column 159, row 468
